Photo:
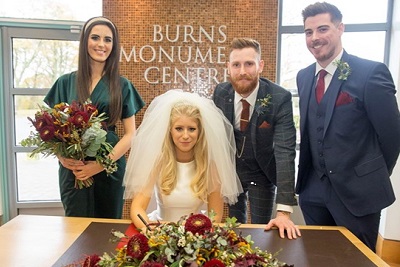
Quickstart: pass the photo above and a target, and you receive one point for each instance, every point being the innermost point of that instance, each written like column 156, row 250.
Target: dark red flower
column 151, row 264
column 42, row 120
column 47, row 117
column 249, row 260
column 75, row 107
column 137, row 246
column 79, row 119
column 198, row 223
column 38, row 123
column 91, row 109
column 91, row 261
column 64, row 129
column 46, row 133
column 214, row 263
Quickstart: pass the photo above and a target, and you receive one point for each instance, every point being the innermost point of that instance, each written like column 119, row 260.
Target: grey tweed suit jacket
column 272, row 132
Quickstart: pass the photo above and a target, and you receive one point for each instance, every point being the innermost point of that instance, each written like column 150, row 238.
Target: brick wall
column 169, row 44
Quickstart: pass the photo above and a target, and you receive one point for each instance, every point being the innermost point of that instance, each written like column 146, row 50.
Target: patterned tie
column 244, row 117
column 320, row 89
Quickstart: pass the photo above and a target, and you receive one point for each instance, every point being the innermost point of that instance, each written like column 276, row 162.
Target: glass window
column 371, row 11
column 37, row 63
column 37, row 178
column 295, row 55
column 366, row 37
column 75, row 10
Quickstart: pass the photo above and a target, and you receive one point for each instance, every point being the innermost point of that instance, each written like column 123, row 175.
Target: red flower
column 75, row 107
column 42, row 120
column 151, row 264
column 48, row 118
column 79, row 119
column 91, row 109
column 249, row 260
column 46, row 133
column 198, row 223
column 137, row 246
column 214, row 263
column 91, row 261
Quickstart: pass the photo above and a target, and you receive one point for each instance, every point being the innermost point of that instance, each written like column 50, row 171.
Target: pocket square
column 264, row 125
column 343, row 99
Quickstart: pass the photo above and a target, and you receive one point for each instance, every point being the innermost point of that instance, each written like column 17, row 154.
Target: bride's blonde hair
column 167, row 161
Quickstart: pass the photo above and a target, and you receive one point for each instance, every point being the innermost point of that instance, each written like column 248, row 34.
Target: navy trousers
column 321, row 206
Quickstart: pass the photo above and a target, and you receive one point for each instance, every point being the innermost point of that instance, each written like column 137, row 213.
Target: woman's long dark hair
column 111, row 69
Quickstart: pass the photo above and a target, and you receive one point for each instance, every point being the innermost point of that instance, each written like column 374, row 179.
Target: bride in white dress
column 183, row 151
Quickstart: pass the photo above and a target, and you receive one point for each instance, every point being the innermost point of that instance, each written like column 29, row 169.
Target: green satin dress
column 104, row 199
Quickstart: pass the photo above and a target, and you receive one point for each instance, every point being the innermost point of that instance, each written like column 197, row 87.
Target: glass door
column 33, row 59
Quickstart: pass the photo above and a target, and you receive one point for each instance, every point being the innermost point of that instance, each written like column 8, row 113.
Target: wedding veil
column 147, row 144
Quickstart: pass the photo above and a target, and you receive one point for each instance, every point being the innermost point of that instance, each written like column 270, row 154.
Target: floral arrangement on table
column 344, row 69
column 71, row 131
column 192, row 241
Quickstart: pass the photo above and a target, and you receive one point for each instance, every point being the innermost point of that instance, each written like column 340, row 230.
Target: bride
column 184, row 152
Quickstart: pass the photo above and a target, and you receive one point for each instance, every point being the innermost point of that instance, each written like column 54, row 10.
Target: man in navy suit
column 265, row 142
column 350, row 139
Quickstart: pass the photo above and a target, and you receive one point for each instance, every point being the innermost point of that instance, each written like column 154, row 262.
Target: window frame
column 359, row 27
column 28, row 29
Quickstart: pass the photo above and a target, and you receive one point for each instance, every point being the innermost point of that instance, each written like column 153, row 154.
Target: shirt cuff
column 283, row 207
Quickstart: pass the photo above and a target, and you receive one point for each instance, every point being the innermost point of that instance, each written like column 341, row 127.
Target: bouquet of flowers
column 71, row 131
column 193, row 241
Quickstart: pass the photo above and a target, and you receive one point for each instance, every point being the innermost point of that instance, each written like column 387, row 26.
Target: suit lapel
column 262, row 92
column 334, row 88
column 229, row 106
column 305, row 94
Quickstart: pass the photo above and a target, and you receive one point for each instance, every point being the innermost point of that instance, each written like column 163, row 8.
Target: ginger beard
column 244, row 84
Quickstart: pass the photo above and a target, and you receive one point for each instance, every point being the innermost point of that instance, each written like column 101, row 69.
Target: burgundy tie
column 320, row 89
column 244, row 117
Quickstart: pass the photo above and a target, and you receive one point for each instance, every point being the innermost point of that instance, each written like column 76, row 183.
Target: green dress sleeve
column 132, row 102
column 63, row 90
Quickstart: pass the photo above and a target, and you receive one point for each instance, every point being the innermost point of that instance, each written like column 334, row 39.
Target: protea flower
column 46, row 133
column 214, row 263
column 137, row 246
column 198, row 223
column 151, row 264
column 79, row 119
column 91, row 261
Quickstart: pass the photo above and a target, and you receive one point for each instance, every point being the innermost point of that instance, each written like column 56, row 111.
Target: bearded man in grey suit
column 350, row 135
column 265, row 141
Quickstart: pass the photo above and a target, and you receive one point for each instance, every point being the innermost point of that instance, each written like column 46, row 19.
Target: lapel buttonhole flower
column 344, row 69
column 263, row 104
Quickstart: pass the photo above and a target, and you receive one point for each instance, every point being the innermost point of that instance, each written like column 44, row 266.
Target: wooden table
column 30, row 240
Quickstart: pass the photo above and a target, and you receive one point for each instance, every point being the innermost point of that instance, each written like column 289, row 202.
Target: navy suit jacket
column 272, row 132
column 361, row 139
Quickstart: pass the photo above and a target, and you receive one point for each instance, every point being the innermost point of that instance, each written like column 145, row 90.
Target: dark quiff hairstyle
column 322, row 8
column 111, row 69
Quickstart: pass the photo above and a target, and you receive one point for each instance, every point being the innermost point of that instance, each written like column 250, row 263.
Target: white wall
column 389, row 227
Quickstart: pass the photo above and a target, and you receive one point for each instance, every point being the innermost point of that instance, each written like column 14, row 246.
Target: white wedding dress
column 181, row 201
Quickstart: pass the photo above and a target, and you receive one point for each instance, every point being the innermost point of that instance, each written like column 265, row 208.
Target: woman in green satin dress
column 97, row 78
